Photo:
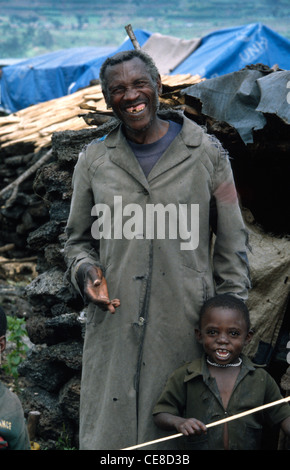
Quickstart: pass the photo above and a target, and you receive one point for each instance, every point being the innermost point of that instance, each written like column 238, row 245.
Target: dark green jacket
column 192, row 393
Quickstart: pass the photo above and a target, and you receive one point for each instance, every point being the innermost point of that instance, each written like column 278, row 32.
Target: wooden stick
column 18, row 260
column 132, row 36
column 15, row 184
column 33, row 419
column 215, row 423
column 8, row 247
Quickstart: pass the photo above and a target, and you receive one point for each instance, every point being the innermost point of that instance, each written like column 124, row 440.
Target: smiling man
column 144, row 292
column 133, row 95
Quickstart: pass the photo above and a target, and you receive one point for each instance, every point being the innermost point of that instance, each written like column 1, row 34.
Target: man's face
column 133, row 95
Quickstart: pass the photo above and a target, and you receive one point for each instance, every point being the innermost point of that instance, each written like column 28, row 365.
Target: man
column 158, row 271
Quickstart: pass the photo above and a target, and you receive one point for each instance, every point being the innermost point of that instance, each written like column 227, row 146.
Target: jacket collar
column 123, row 156
column 190, row 136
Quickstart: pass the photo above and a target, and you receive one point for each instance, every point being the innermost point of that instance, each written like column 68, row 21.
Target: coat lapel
column 174, row 155
column 178, row 151
column 123, row 156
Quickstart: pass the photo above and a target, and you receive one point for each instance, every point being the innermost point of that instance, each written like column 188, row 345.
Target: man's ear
column 159, row 85
column 107, row 101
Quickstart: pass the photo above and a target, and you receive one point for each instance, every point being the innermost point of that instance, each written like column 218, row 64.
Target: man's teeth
column 136, row 109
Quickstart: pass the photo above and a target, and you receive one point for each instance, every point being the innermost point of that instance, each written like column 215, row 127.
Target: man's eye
column 116, row 91
column 141, row 83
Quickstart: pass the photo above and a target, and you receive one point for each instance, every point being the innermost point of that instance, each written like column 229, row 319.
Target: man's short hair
column 226, row 301
column 123, row 56
column 3, row 322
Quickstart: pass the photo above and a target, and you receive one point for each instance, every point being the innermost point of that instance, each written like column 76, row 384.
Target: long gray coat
column 129, row 355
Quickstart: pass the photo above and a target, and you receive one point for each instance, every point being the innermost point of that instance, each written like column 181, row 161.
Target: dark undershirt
column 148, row 154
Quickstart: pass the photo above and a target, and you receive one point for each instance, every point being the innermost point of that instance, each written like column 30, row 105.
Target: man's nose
column 131, row 93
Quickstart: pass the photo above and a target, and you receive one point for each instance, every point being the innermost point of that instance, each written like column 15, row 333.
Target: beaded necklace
column 236, row 364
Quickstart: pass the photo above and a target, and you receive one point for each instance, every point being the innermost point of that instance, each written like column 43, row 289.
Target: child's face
column 223, row 334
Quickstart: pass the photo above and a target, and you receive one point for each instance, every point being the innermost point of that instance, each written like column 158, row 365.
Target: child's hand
column 191, row 426
column 187, row 427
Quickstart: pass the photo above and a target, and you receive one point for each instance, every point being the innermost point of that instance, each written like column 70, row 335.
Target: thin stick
column 215, row 423
column 132, row 36
column 15, row 184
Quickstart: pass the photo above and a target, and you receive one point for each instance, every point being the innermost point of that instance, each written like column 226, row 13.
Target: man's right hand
column 95, row 287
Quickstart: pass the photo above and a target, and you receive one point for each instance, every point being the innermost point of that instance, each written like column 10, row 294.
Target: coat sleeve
column 80, row 246
column 230, row 260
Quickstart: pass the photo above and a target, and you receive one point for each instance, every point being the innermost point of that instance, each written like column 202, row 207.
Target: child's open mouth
column 222, row 354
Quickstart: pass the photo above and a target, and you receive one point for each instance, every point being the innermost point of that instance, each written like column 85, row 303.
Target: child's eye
column 234, row 333
column 211, row 332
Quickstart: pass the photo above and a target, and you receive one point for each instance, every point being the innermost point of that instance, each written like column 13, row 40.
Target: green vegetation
column 29, row 27
column 15, row 335
column 64, row 441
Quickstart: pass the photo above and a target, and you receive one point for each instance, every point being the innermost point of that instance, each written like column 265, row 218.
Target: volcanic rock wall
column 56, row 325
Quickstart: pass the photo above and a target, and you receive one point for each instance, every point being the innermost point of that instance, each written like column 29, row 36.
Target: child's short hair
column 226, row 301
column 3, row 322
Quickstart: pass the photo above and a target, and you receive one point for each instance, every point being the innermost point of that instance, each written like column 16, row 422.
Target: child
column 13, row 431
column 222, row 383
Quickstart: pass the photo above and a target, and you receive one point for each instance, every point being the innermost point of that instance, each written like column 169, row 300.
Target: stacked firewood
column 36, row 124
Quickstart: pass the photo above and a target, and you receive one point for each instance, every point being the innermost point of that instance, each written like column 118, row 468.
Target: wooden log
column 8, row 247
column 15, row 184
column 32, row 422
column 37, row 123
column 132, row 36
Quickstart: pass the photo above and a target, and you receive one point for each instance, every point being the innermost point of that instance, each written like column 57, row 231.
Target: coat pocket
column 194, row 442
column 252, row 438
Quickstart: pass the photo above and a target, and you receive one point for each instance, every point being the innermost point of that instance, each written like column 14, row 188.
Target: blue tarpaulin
column 231, row 49
column 93, row 69
column 53, row 75
column 44, row 77
column 56, row 74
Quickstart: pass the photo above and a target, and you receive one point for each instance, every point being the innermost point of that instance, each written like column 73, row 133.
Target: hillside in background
column 30, row 27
